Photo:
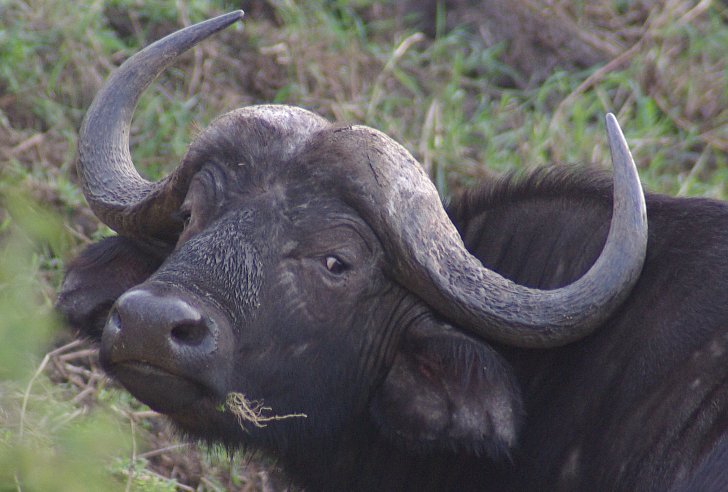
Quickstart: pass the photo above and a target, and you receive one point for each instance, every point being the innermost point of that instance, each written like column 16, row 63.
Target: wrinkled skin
column 263, row 248
column 280, row 292
column 638, row 406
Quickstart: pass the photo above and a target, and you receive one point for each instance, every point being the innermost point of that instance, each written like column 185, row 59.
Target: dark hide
column 639, row 404
column 396, row 398
column 711, row 475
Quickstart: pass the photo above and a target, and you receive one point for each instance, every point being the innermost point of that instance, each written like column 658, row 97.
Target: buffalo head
column 301, row 275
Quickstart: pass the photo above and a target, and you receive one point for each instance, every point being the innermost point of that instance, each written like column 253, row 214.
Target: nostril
column 145, row 325
column 114, row 321
column 192, row 333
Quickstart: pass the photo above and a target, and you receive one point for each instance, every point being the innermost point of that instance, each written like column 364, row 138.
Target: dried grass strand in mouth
column 253, row 411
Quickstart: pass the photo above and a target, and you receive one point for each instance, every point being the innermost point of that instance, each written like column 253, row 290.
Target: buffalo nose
column 150, row 326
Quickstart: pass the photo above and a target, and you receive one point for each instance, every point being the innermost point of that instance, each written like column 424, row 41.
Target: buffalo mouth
column 158, row 388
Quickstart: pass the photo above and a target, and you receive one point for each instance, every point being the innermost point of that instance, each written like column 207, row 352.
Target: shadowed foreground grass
column 435, row 80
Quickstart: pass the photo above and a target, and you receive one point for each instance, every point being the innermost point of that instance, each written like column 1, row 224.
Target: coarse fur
column 642, row 404
column 396, row 398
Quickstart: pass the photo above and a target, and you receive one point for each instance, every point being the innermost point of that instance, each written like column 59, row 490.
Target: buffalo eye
column 334, row 265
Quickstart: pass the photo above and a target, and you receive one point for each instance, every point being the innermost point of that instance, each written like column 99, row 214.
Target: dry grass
column 157, row 460
column 523, row 87
column 254, row 412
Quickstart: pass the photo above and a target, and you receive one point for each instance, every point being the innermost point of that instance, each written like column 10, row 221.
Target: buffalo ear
column 99, row 275
column 448, row 391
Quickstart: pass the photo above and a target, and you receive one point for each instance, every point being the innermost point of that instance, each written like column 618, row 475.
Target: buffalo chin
column 163, row 391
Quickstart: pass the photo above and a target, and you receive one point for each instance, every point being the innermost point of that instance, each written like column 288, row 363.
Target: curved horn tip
column 617, row 142
column 110, row 182
column 217, row 23
column 231, row 17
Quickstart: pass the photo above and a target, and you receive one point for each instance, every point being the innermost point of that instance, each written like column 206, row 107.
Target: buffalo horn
column 387, row 186
column 380, row 179
column 116, row 192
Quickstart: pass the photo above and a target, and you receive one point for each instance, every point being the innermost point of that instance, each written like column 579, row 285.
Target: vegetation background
column 471, row 88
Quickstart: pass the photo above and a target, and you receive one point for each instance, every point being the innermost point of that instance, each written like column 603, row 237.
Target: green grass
column 452, row 100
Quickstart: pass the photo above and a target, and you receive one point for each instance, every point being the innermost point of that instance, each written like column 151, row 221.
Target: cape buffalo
column 295, row 286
